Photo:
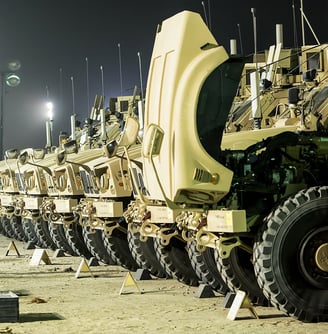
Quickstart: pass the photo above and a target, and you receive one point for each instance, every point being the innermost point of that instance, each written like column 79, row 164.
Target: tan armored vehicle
column 84, row 210
column 32, row 172
column 11, row 224
column 58, row 207
column 258, row 198
column 107, row 193
column 49, row 188
column 272, row 103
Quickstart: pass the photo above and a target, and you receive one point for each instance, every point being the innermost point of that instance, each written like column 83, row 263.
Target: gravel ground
column 52, row 300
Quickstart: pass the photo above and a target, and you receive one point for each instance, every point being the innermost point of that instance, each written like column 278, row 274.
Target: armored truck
column 257, row 198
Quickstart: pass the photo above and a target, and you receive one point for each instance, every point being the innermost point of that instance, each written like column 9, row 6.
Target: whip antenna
column 240, row 40
column 294, row 26
column 206, row 20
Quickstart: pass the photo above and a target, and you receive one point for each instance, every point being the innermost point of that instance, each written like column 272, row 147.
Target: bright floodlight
column 14, row 65
column 12, row 80
column 50, row 106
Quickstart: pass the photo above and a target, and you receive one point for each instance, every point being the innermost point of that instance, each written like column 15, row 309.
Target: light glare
column 50, row 106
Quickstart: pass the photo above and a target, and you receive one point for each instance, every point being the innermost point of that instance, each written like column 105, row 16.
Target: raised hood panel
column 181, row 99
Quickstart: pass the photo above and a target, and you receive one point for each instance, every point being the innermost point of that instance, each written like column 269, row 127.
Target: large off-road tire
column 74, row 237
column 117, row 246
column 290, row 256
column 7, row 227
column 43, row 234
column 205, row 267
column 29, row 231
column 1, row 227
column 175, row 260
column 238, row 272
column 16, row 223
column 57, row 233
column 144, row 254
column 95, row 244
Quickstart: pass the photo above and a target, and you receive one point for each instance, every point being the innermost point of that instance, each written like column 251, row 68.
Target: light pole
column 10, row 79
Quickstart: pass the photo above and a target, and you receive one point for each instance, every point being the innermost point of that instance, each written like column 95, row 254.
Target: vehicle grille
column 20, row 181
column 141, row 185
column 88, row 185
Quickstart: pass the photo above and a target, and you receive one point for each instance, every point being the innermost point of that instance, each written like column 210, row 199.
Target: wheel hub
column 321, row 257
column 313, row 257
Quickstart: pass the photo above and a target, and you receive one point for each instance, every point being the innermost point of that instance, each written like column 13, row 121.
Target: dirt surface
column 52, row 300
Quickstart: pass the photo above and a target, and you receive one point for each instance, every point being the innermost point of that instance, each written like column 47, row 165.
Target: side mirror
column 71, row 147
column 61, row 157
column 111, row 149
column 152, row 141
column 39, row 153
column 22, row 158
column 12, row 153
column 130, row 132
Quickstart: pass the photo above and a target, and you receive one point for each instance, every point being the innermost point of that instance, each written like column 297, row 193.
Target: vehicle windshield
column 214, row 103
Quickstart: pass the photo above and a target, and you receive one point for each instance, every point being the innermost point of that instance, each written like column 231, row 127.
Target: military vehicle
column 257, row 198
column 107, row 193
column 32, row 170
column 11, row 224
column 223, row 187
column 58, row 208
column 44, row 188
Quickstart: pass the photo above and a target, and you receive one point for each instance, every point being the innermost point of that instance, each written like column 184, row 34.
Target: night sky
column 53, row 38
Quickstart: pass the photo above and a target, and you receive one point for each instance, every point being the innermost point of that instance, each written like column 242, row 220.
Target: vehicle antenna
column 73, row 95
column 140, row 74
column 256, row 107
column 209, row 14
column 254, row 36
column 87, row 77
column 294, row 26
column 302, row 23
column 309, row 25
column 102, row 81
column 120, row 65
column 206, row 20
column 240, row 40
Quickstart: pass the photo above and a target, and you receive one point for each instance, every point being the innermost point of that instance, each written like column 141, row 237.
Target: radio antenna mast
column 294, row 26
column 88, row 90
column 255, row 78
column 309, row 25
column 240, row 40
column 302, row 23
column 120, row 64
column 209, row 14
column 140, row 75
column 204, row 9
